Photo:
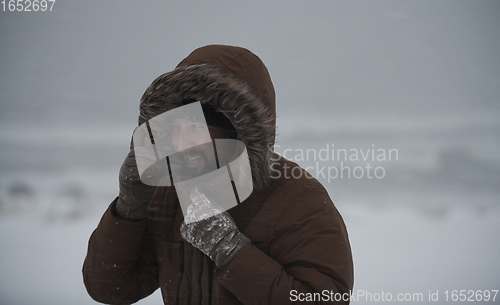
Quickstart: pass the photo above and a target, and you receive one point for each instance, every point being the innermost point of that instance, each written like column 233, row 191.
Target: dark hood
column 232, row 80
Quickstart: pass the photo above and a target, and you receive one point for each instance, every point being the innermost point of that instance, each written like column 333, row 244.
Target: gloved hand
column 135, row 196
column 217, row 236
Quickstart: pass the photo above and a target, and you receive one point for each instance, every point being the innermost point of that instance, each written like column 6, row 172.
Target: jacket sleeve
column 121, row 265
column 309, row 257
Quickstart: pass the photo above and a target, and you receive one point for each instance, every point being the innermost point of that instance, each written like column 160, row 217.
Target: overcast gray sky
column 388, row 60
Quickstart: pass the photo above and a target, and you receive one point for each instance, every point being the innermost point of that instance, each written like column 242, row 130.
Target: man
column 285, row 240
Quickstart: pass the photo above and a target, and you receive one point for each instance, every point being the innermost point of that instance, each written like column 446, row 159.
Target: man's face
column 192, row 141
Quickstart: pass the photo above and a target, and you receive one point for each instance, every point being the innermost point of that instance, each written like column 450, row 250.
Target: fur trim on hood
column 232, row 80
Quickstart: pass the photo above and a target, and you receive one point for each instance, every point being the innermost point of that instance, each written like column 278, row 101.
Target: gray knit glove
column 135, row 196
column 217, row 236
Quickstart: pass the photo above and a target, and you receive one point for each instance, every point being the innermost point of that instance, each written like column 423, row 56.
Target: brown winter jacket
column 299, row 240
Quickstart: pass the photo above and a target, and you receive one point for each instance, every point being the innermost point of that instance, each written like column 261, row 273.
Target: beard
column 192, row 163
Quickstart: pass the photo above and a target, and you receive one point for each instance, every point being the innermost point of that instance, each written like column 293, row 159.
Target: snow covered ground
column 430, row 224
column 396, row 250
column 399, row 243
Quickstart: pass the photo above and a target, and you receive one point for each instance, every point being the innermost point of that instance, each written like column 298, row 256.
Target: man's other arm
column 121, row 265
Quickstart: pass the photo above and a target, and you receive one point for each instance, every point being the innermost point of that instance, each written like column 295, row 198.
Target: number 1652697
column 27, row 5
